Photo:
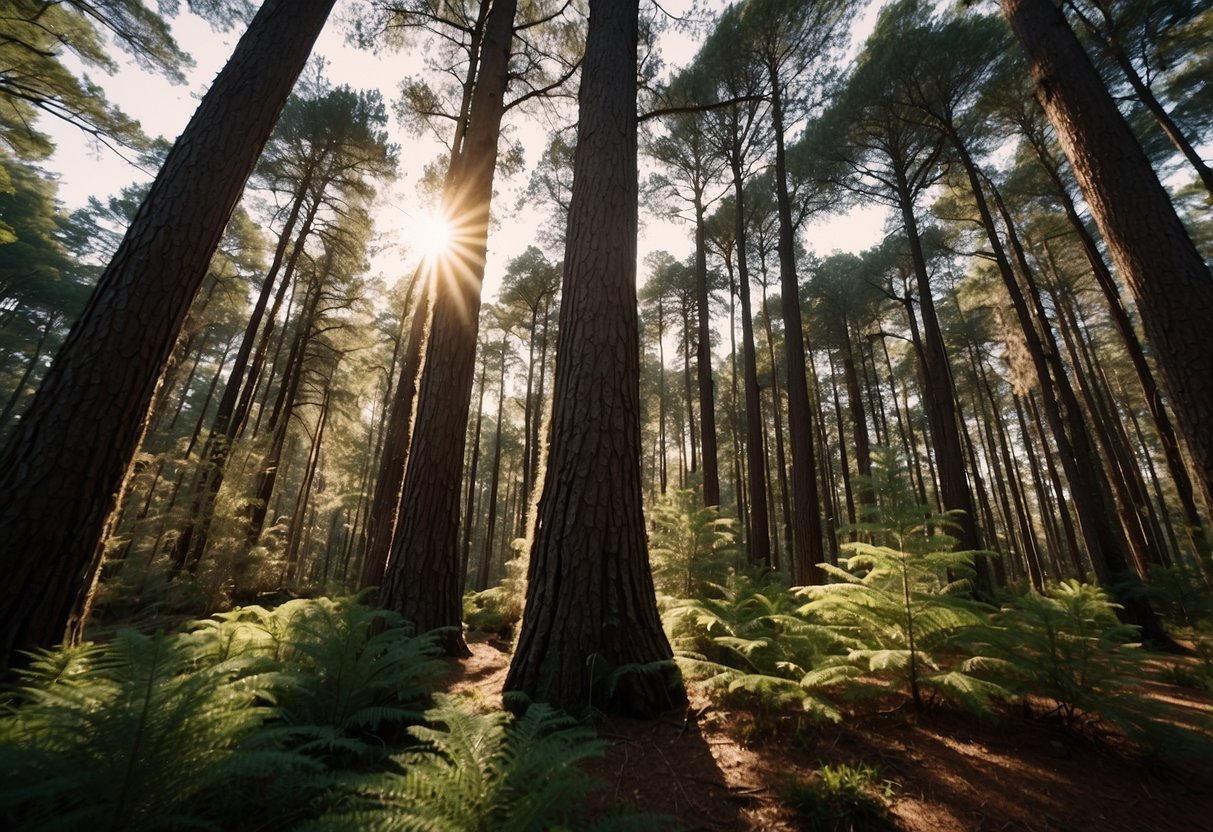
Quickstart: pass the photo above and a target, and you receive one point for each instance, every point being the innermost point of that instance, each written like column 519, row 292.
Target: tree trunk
column 806, row 512
column 591, row 636
column 63, row 469
column 1147, row 241
column 707, row 394
column 422, row 579
column 759, row 549
column 385, row 504
column 486, row 557
column 940, row 398
column 1162, row 419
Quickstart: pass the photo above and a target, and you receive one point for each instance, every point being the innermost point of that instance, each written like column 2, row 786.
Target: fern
column 484, row 771
column 749, row 644
column 1068, row 648
column 899, row 612
column 132, row 736
column 691, row 544
column 341, row 670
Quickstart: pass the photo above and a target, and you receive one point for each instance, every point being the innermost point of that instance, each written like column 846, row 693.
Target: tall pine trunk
column 64, row 467
column 591, row 636
column 1146, row 239
column 422, row 581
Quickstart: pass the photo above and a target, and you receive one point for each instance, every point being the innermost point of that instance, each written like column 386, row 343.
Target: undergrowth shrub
column 232, row 724
column 750, row 645
column 898, row 614
column 841, row 799
column 1067, row 650
column 496, row 611
column 342, row 671
column 1181, row 596
column 136, row 735
column 690, row 544
column 899, row 600
column 485, row 772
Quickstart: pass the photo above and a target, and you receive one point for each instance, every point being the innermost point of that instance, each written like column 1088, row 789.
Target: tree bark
column 63, row 469
column 591, row 636
column 1146, row 239
column 385, row 503
column 806, row 512
column 422, row 579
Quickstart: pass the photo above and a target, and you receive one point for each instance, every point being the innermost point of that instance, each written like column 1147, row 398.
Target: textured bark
column 591, row 636
column 486, row 556
column 1176, row 465
column 422, row 582
column 940, row 397
column 807, row 550
column 1108, row 543
column 63, row 469
column 385, row 504
column 1145, row 237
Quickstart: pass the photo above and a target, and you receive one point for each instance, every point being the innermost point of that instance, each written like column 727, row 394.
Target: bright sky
column 88, row 170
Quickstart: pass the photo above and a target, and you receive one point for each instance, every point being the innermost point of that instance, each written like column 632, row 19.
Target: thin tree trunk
column 422, row 578
column 806, row 515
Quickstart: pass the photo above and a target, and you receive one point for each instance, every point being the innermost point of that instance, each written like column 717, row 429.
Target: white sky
column 86, row 169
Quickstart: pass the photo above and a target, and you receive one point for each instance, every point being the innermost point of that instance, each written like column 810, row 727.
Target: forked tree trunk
column 64, row 467
column 591, row 636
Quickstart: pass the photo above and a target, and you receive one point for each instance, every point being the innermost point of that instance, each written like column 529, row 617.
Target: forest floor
column 713, row 768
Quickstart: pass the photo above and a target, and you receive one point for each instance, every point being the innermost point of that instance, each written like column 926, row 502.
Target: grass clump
column 841, row 798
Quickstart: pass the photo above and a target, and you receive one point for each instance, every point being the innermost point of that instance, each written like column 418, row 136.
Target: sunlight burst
column 433, row 236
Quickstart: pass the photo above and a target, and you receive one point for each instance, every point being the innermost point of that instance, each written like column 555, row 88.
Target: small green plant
column 750, row 645
column 841, row 799
column 898, row 605
column 1181, row 596
column 485, row 772
column 341, row 670
column 496, row 610
column 1067, row 648
column 898, row 615
column 690, row 543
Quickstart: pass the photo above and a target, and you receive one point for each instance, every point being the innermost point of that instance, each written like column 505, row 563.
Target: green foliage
column 485, row 771
column 230, row 723
column 341, row 669
column 496, row 610
column 1181, row 596
column 898, row 606
column 1068, row 648
column 136, row 735
column 690, row 543
column 897, row 613
column 750, row 644
column 841, row 799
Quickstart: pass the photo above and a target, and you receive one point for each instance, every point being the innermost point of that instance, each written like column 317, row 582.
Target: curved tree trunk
column 63, row 469
column 591, row 636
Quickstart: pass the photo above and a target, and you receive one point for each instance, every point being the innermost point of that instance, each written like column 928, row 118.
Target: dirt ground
column 718, row 769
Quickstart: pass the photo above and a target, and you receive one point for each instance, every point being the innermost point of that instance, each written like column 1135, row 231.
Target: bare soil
column 723, row 769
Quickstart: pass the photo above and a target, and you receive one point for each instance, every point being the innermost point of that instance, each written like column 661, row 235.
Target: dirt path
column 950, row 772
